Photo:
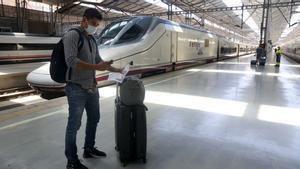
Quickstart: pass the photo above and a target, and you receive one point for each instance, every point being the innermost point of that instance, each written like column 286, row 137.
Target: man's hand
column 120, row 70
column 103, row 66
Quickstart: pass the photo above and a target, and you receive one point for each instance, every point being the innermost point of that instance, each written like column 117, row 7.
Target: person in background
column 278, row 56
column 260, row 52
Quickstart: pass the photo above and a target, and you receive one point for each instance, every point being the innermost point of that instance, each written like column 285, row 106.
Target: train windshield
column 110, row 32
column 136, row 31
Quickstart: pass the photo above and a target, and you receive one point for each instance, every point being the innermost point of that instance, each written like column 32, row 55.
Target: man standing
column 261, row 55
column 81, row 89
column 260, row 52
column 278, row 56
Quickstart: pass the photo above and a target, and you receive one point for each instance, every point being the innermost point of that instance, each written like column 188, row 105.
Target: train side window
column 206, row 42
column 296, row 50
column 8, row 47
column 233, row 50
column 35, row 46
column 5, row 29
column 222, row 50
column 226, row 50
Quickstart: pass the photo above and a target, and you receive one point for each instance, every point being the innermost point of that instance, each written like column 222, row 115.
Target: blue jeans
column 78, row 99
column 278, row 59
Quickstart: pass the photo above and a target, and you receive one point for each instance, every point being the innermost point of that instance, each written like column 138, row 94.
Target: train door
column 174, row 43
column 165, row 48
column 218, row 49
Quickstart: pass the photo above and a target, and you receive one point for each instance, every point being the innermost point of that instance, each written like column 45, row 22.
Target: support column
column 242, row 20
column 18, row 15
column 203, row 15
column 291, row 13
column 2, row 5
column 268, row 40
column 188, row 18
column 23, row 14
column 170, row 11
column 55, row 25
column 51, row 31
column 265, row 30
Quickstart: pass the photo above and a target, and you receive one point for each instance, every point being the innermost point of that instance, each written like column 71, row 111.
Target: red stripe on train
column 146, row 70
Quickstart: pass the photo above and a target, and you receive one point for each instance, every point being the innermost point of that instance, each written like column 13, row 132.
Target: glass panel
column 136, row 31
column 111, row 31
column 8, row 47
column 36, row 46
column 133, row 33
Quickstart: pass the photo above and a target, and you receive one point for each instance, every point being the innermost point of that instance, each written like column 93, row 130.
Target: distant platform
column 224, row 115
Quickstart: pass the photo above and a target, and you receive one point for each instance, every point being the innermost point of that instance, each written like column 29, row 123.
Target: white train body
column 152, row 44
column 292, row 50
column 20, row 46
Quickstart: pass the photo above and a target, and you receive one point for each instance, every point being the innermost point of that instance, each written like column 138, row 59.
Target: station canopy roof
column 240, row 19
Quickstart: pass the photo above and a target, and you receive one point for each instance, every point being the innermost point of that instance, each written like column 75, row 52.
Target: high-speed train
column 25, row 47
column 152, row 45
column 292, row 50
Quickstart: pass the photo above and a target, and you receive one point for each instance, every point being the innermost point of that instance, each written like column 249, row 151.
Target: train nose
column 40, row 77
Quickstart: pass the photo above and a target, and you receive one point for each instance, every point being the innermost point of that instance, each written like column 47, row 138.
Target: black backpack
column 58, row 66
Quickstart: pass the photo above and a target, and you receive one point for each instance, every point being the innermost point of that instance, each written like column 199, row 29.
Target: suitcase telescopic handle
column 117, row 89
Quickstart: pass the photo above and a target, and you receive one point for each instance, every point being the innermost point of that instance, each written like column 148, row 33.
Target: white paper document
column 119, row 77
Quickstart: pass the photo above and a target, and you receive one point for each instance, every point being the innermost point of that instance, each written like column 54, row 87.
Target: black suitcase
column 130, row 132
column 253, row 62
column 262, row 62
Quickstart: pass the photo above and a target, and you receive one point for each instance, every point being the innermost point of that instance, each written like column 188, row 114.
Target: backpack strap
column 81, row 40
column 93, row 38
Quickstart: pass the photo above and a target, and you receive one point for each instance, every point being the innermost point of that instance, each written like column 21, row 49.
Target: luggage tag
column 119, row 77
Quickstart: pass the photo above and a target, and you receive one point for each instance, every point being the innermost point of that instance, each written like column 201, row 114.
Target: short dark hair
column 91, row 13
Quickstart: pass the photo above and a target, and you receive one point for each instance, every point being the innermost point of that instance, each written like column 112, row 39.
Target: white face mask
column 91, row 29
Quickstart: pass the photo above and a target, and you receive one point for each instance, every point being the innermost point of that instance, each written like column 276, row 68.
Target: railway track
column 12, row 93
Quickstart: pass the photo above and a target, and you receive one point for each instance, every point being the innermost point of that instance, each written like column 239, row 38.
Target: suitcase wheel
column 124, row 164
column 116, row 148
column 144, row 160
